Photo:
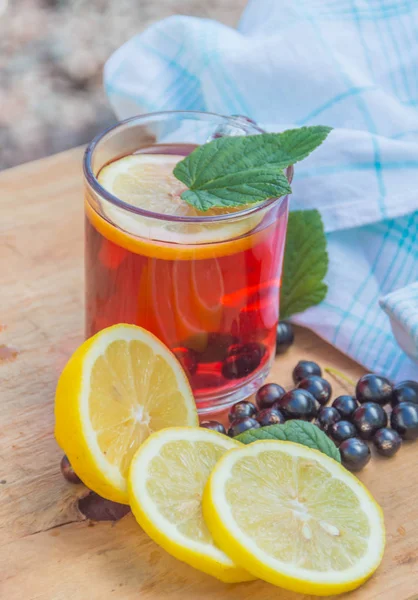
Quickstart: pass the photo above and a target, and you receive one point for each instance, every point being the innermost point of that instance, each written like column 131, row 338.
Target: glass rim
column 187, row 114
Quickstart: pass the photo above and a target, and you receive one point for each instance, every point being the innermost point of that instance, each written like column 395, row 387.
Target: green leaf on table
column 270, row 432
column 305, row 263
column 296, row 431
column 310, row 435
column 242, row 170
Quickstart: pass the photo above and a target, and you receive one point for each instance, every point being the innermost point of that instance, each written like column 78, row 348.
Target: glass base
column 214, row 403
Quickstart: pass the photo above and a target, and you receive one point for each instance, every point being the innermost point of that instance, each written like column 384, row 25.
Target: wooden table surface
column 48, row 549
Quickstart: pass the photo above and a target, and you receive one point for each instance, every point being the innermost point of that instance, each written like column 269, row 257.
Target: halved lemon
column 146, row 181
column 117, row 388
column 166, row 481
column 294, row 517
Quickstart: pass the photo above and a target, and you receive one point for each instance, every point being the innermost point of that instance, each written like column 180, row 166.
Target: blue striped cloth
column 351, row 64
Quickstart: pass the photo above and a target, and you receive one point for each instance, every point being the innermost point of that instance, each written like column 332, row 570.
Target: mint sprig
column 241, row 170
column 296, row 431
column 305, row 263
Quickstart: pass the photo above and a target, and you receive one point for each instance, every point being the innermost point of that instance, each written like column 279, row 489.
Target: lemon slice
column 166, row 481
column 146, row 181
column 294, row 517
column 117, row 388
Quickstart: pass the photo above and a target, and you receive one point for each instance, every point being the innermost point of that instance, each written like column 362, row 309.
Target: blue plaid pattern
column 351, row 64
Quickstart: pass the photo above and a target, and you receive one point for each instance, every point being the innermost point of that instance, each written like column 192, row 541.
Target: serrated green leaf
column 305, row 263
column 264, row 184
column 310, row 435
column 296, row 431
column 270, row 432
column 234, row 171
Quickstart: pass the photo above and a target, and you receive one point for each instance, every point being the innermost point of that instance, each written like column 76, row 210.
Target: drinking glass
column 206, row 286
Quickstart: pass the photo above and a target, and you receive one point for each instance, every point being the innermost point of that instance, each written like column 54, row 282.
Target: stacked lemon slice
column 278, row 511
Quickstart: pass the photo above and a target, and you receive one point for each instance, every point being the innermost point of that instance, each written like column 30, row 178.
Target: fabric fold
column 302, row 63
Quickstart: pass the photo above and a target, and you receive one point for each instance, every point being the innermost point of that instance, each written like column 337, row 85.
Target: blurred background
column 52, row 54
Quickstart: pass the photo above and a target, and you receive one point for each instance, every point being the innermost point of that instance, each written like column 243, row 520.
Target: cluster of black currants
column 351, row 421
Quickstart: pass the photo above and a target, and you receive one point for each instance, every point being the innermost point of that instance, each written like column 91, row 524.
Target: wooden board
column 48, row 551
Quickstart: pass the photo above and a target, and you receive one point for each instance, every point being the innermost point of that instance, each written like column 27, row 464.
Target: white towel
column 351, row 64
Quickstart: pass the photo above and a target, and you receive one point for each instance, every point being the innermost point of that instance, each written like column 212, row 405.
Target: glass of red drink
column 206, row 284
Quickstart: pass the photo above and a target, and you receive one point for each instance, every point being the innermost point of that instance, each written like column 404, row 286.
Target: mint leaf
column 270, row 432
column 305, row 263
column 299, row 432
column 241, row 170
column 310, row 435
column 261, row 184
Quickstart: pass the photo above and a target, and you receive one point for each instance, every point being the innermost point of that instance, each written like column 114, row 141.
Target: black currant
column 317, row 386
column 404, row 420
column 327, row 416
column 284, row 337
column 305, row 368
column 355, row 454
column 387, row 441
column 374, row 388
column 214, row 425
column 268, row 394
column 187, row 358
column 346, row 405
column 368, row 418
column 68, row 472
column 256, row 349
column 216, row 348
column 405, row 391
column 240, row 425
column 298, row 404
column 270, row 416
column 242, row 409
column 341, row 430
column 242, row 360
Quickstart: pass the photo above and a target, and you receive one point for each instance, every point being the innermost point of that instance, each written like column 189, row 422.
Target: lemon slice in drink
column 117, row 388
column 294, row 517
column 166, row 481
column 146, row 181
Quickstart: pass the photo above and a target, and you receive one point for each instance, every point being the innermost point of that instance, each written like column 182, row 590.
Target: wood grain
column 48, row 551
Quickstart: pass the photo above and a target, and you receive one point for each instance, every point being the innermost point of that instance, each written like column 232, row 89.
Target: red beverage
column 214, row 302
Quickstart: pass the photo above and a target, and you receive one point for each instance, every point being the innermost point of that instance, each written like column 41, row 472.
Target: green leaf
column 305, row 263
column 310, row 435
column 299, row 432
column 241, row 170
column 270, row 432
column 263, row 184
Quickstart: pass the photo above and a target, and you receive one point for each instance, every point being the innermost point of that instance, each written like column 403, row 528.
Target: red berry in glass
column 216, row 305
